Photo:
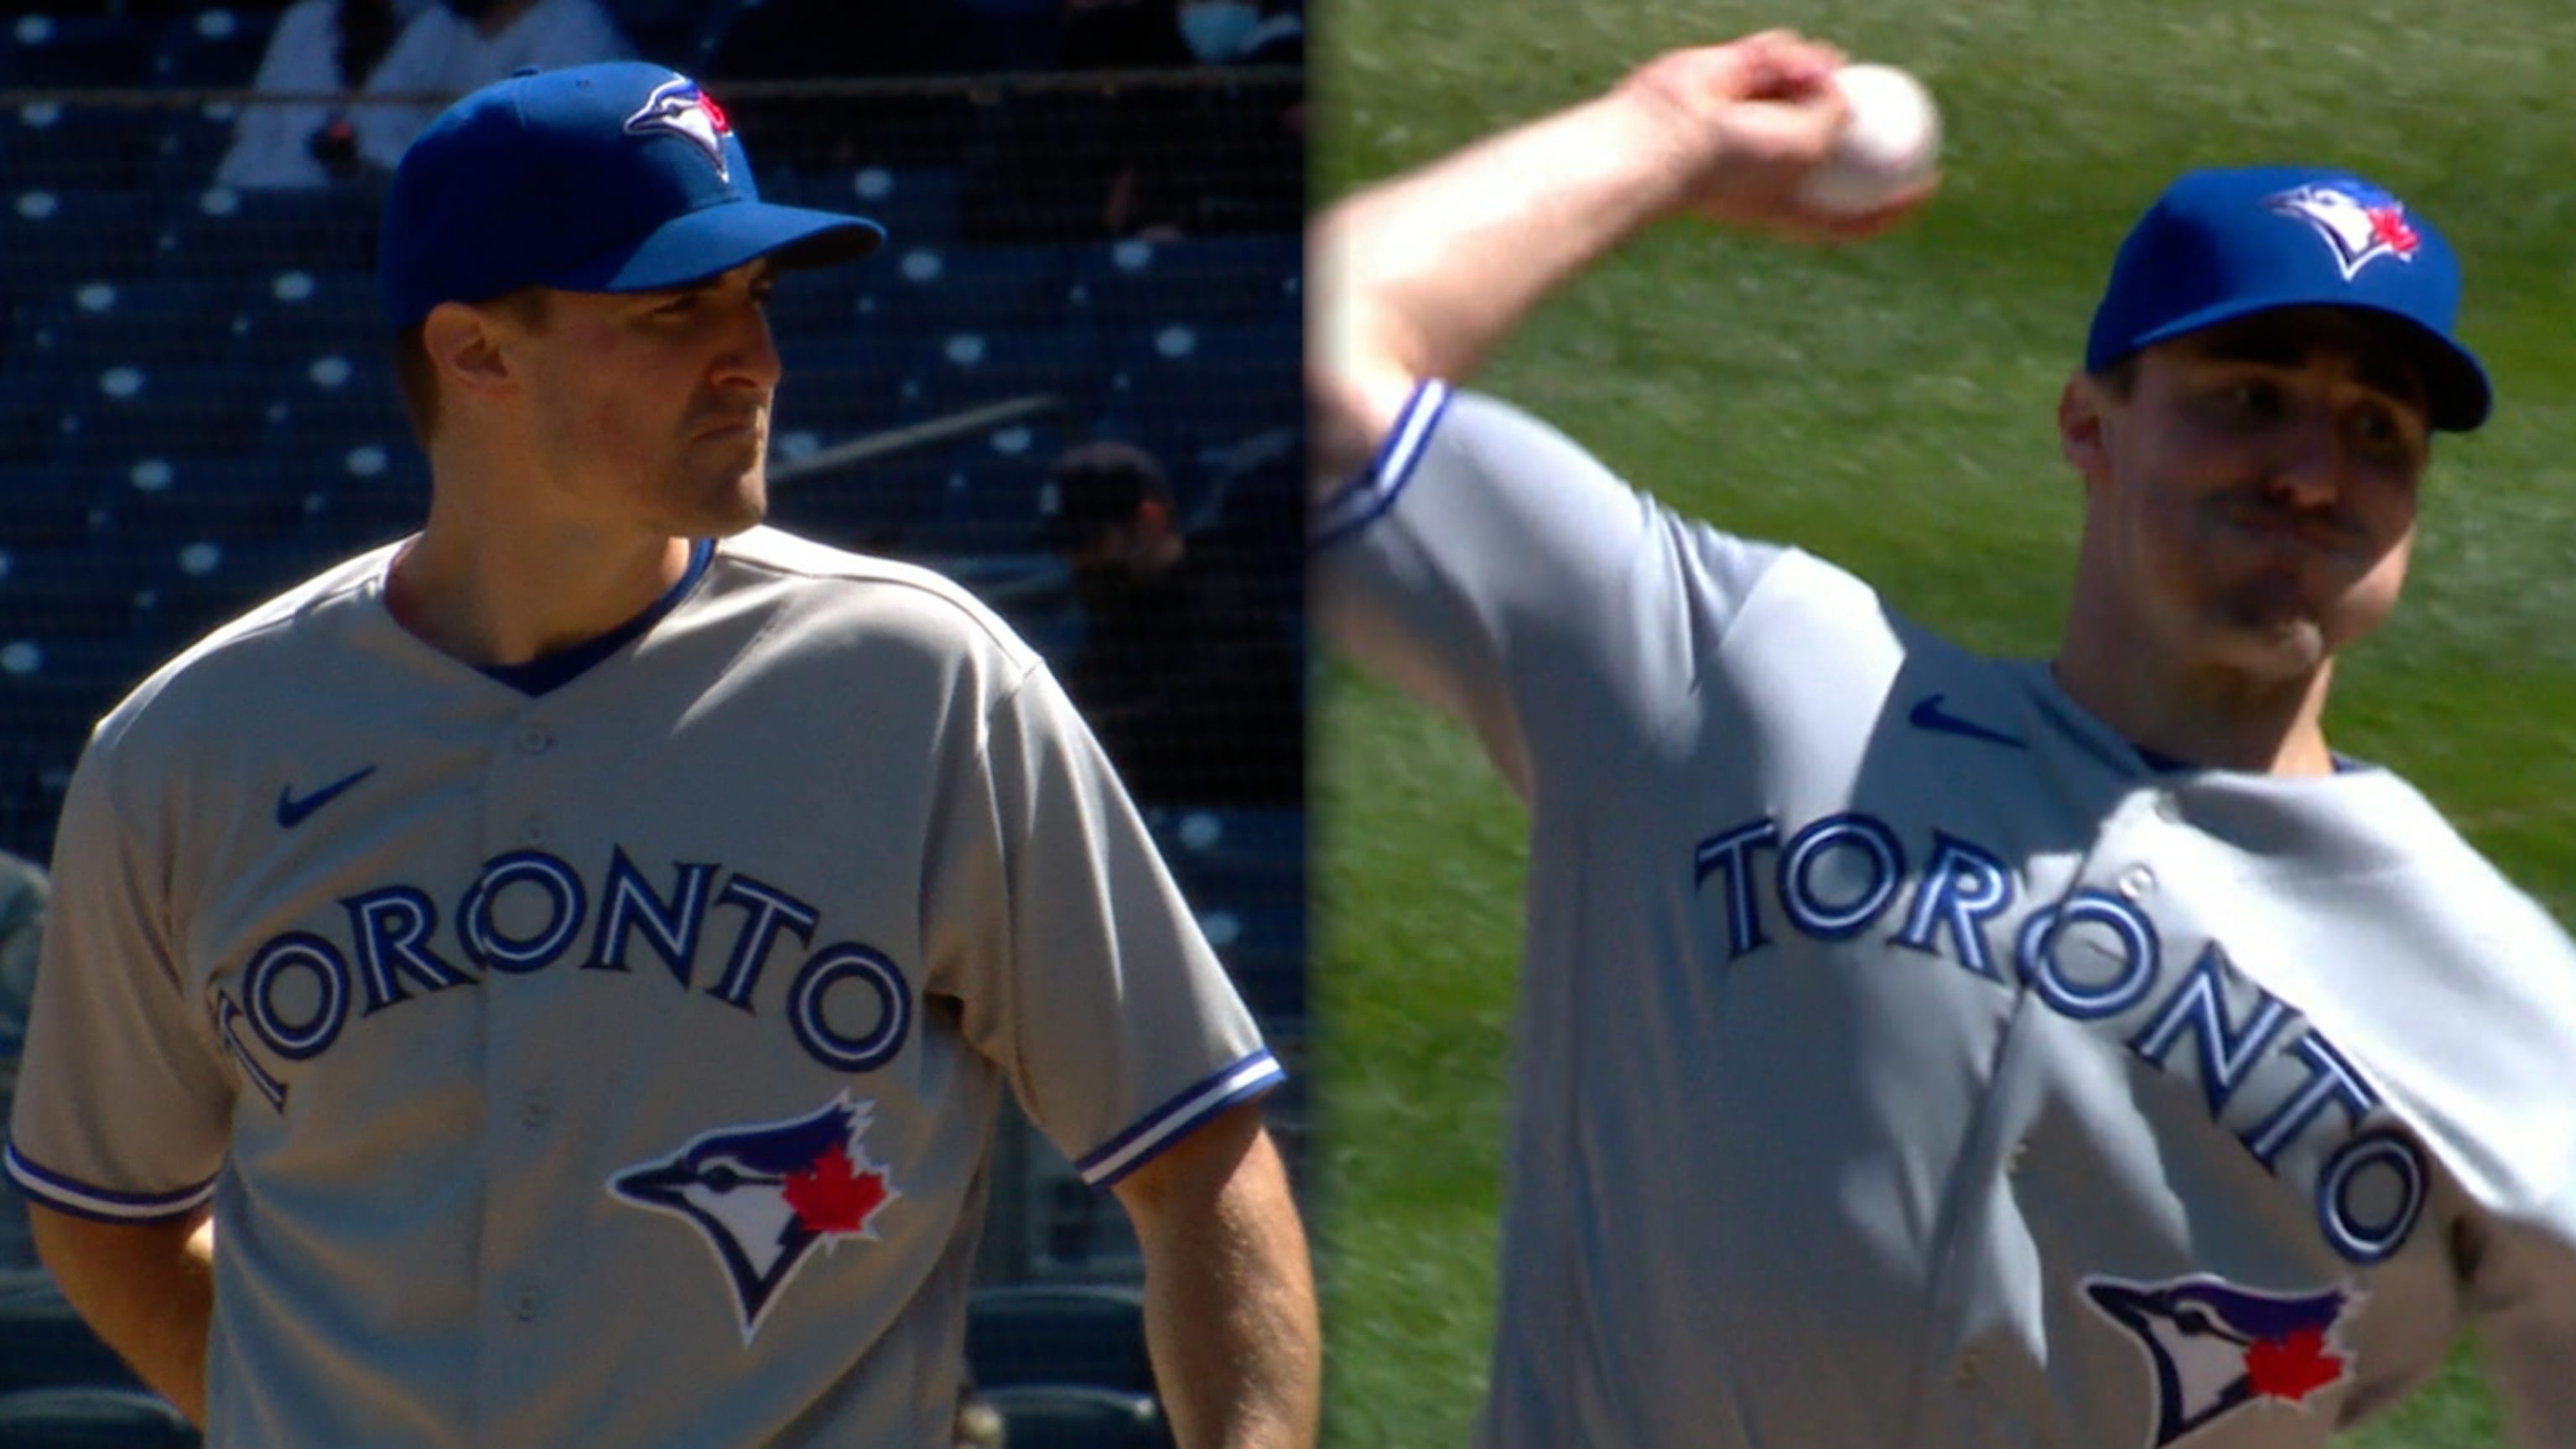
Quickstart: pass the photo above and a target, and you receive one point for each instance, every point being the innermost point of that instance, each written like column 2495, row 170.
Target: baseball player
column 575, row 955
column 1930, row 1050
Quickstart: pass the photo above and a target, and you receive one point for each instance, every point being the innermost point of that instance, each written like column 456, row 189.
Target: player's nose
column 750, row 355
column 2310, row 460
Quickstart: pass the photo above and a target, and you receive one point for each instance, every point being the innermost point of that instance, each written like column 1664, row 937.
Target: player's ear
column 2080, row 421
column 463, row 344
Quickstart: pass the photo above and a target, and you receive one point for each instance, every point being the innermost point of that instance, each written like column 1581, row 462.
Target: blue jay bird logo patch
column 2216, row 1348
column 765, row 1196
column 678, row 107
column 2359, row 222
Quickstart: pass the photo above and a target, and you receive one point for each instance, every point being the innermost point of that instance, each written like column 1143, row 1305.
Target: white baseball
column 1891, row 142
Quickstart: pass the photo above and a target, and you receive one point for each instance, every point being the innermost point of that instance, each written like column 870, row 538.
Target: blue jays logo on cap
column 679, row 107
column 2358, row 221
column 2217, row 1348
column 764, row 1195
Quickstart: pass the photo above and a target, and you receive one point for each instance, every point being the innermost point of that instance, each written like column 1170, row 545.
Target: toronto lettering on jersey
column 298, row 990
column 1860, row 863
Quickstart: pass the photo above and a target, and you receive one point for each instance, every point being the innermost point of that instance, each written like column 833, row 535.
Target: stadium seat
column 196, row 586
column 917, row 205
column 917, row 290
column 69, row 592
column 1057, row 1416
column 1126, row 285
column 217, row 48
column 44, row 1344
column 1228, row 853
column 816, row 302
column 35, row 770
column 366, row 494
column 93, row 1417
column 993, row 495
column 63, row 51
column 179, row 500
column 148, row 321
column 189, row 146
column 872, row 507
column 1059, row 1333
column 296, row 312
column 71, row 144
column 1193, row 392
column 162, row 411
column 224, row 233
column 56, row 239
column 837, row 387
column 47, row 505
column 964, row 369
column 328, row 402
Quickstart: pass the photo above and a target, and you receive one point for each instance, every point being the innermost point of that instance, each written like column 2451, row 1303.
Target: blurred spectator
column 456, row 45
column 1240, row 32
column 23, row 893
column 1187, row 671
column 318, row 46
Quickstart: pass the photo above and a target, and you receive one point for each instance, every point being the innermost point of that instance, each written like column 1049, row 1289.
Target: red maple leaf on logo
column 2389, row 225
column 715, row 113
column 2291, row 1367
column 834, row 1195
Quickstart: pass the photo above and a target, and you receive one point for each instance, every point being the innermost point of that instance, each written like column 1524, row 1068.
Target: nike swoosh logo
column 291, row 811
column 1929, row 715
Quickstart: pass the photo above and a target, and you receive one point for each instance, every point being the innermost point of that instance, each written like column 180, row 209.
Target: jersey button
column 1964, row 1372
column 535, row 740
column 533, row 1109
column 526, row 1304
column 2136, row 881
column 532, row 831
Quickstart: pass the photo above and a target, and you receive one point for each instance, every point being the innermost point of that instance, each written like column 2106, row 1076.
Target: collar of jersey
column 549, row 672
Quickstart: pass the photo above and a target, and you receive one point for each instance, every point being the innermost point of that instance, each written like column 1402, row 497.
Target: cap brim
column 2458, row 394
column 717, row 239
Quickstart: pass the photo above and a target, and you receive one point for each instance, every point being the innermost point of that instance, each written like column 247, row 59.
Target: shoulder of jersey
column 884, row 594
column 248, row 644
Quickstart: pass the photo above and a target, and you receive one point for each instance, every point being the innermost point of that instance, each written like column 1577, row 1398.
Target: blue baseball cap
column 615, row 177
column 2223, row 244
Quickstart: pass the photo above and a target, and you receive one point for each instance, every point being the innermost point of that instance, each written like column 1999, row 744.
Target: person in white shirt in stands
column 319, row 46
column 457, row 45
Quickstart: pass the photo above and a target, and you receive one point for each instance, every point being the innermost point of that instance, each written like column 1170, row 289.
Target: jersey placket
column 1978, row 1381
column 517, row 928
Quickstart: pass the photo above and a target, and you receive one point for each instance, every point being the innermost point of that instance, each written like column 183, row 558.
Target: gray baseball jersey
column 1904, row 1060
column 614, row 1064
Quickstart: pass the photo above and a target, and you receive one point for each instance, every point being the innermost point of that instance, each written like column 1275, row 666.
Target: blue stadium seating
column 173, row 501
column 295, row 312
column 325, row 403
column 217, row 48
column 918, row 290
column 196, row 586
column 47, row 505
column 191, row 144
column 838, row 387
column 873, row 507
column 60, row 51
column 163, row 412
column 44, row 1344
column 72, row 591
column 991, row 502
column 93, row 1417
column 816, row 302
column 148, row 321
column 56, row 144
column 57, row 238
column 965, row 369
column 1126, row 285
column 917, row 205
column 220, row 232
column 1058, row 1333
column 1221, row 854
column 1060, row 1416
column 365, row 494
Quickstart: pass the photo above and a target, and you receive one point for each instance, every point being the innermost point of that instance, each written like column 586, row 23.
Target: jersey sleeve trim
column 1364, row 498
column 1175, row 1119
column 98, row 1204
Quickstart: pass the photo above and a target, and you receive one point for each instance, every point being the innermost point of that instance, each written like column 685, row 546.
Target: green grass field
column 1890, row 407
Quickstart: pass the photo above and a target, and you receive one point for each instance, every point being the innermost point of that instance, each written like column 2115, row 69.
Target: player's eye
column 678, row 306
column 2254, row 398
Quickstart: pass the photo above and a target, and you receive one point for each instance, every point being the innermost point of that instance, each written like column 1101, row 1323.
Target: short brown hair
column 417, row 377
column 2120, row 379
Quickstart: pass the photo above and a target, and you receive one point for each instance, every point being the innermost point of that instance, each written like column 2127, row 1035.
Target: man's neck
column 2200, row 714
column 493, row 591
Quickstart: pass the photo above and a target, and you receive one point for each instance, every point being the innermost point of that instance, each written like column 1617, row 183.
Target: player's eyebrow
column 2379, row 361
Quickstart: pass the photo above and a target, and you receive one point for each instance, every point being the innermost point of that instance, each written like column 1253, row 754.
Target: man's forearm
column 1424, row 275
column 1230, row 1296
column 147, row 1291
